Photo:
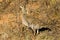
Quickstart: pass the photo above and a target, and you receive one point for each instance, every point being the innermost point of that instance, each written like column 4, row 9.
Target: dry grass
column 46, row 11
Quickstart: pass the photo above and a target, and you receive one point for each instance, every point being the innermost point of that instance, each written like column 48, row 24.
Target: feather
column 24, row 21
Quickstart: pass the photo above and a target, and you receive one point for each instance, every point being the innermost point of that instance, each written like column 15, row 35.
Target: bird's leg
column 37, row 31
column 34, row 32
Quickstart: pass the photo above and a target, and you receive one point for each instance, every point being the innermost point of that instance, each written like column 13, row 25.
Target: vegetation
column 42, row 12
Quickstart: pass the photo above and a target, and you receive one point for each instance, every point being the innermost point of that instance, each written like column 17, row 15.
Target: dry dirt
column 44, row 12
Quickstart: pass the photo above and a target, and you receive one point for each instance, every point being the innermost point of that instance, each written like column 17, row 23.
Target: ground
column 44, row 12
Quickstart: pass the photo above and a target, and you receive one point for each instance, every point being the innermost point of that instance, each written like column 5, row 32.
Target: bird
column 34, row 27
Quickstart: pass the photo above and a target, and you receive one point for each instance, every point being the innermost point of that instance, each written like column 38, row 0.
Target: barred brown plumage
column 34, row 27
